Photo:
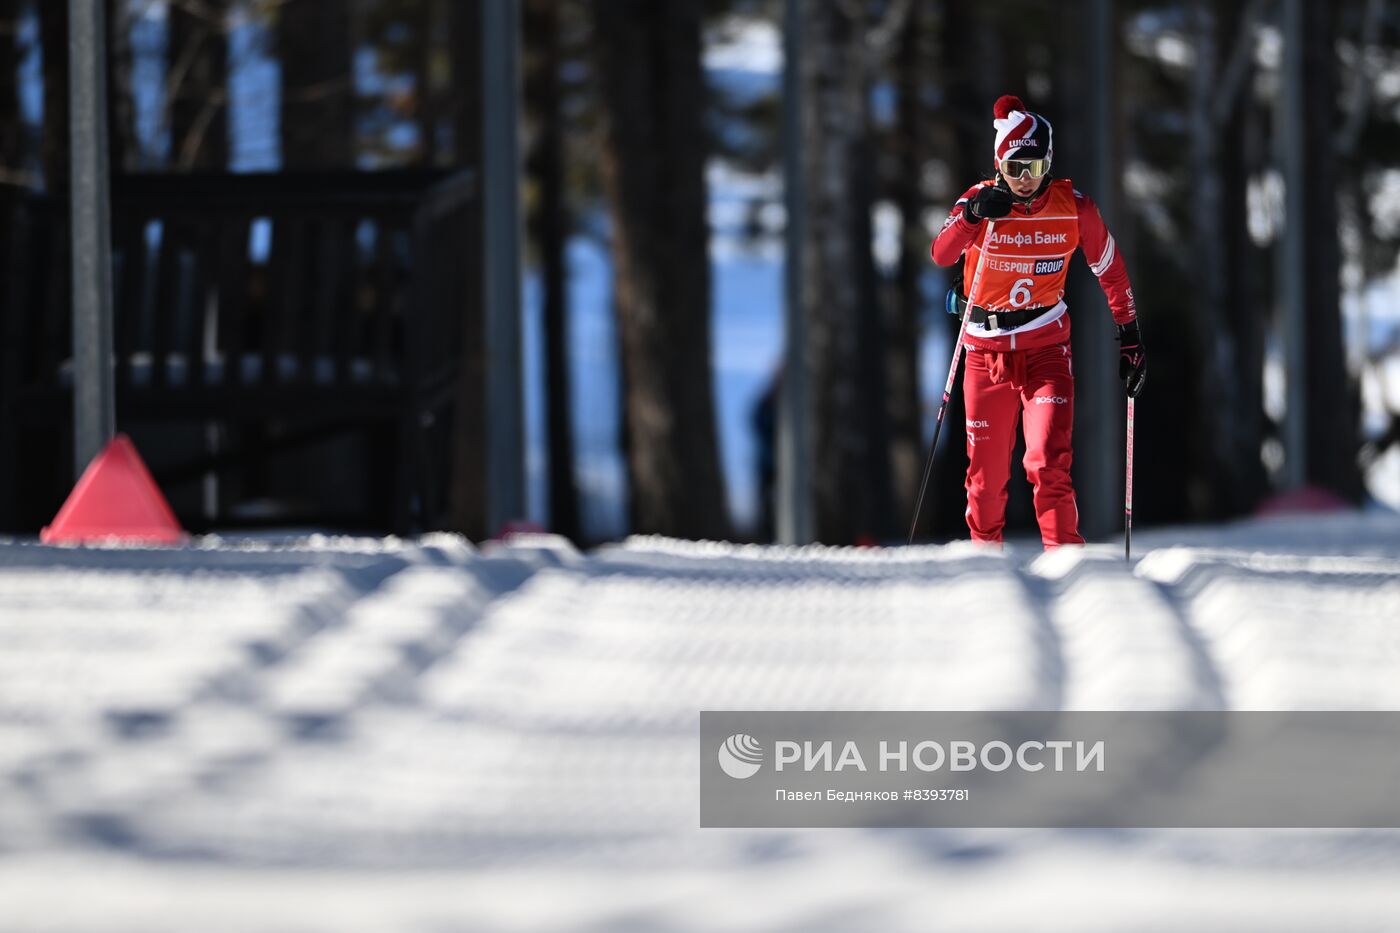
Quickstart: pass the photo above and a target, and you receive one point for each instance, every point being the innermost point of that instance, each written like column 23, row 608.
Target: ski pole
column 952, row 375
column 1128, row 491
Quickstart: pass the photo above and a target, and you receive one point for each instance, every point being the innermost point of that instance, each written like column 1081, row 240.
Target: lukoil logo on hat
column 740, row 755
column 1020, row 134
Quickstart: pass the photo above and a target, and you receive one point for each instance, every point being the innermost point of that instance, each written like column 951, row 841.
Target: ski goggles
column 1016, row 168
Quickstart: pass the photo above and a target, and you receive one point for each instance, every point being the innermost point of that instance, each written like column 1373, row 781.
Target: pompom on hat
column 1020, row 133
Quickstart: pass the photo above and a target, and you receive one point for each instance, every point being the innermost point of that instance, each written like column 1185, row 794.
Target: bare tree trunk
column 1246, row 320
column 314, row 49
column 13, row 161
column 428, row 16
column 1331, row 412
column 1207, row 310
column 197, row 85
column 549, row 226
column 16, row 147
column 11, row 140
column 967, row 115
column 902, row 331
column 851, row 467
column 463, row 31
column 1087, row 126
column 653, row 167
column 122, row 143
column 53, row 144
column 1223, row 310
column 467, row 487
column 1242, row 406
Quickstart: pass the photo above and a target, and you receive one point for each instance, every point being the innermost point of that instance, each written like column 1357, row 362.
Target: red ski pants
column 1035, row 387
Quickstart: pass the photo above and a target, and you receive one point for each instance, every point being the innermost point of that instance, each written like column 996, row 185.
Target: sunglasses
column 1016, row 168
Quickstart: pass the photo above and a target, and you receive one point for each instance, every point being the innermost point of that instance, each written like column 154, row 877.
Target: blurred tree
column 410, row 43
column 467, row 490
column 1087, row 129
column 429, row 78
column 1369, row 133
column 913, row 61
column 1223, row 115
column 314, row 50
column 1368, row 129
column 962, row 130
column 53, row 144
column 548, row 226
column 12, row 168
column 1173, row 455
column 1203, row 121
column 652, row 90
column 124, row 149
column 846, row 344
column 1211, row 103
column 1331, row 412
column 196, row 91
column 463, row 108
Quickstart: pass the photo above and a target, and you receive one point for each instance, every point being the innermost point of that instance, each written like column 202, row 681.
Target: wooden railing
column 276, row 311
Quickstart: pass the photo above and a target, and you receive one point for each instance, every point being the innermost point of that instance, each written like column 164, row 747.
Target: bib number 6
column 1021, row 292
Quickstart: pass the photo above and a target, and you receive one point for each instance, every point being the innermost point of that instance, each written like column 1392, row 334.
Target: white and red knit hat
column 1020, row 133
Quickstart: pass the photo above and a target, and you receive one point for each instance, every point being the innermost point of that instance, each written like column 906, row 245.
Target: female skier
column 1017, row 336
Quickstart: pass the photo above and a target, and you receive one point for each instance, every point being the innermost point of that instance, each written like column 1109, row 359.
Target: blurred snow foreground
column 352, row 734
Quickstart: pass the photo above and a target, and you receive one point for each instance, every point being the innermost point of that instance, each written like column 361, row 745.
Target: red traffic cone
column 116, row 498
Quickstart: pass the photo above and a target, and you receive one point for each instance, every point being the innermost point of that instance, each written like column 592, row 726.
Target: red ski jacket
column 1026, row 267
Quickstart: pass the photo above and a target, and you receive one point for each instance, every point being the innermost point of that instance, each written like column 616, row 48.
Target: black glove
column 990, row 202
column 1132, row 358
column 956, row 301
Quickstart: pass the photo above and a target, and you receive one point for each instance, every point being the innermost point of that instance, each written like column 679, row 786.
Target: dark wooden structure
column 288, row 348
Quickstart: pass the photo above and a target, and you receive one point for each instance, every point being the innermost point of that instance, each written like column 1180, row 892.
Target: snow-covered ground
column 343, row 735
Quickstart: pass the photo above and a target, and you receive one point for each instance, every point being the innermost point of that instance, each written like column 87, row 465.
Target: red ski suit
column 1026, row 372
